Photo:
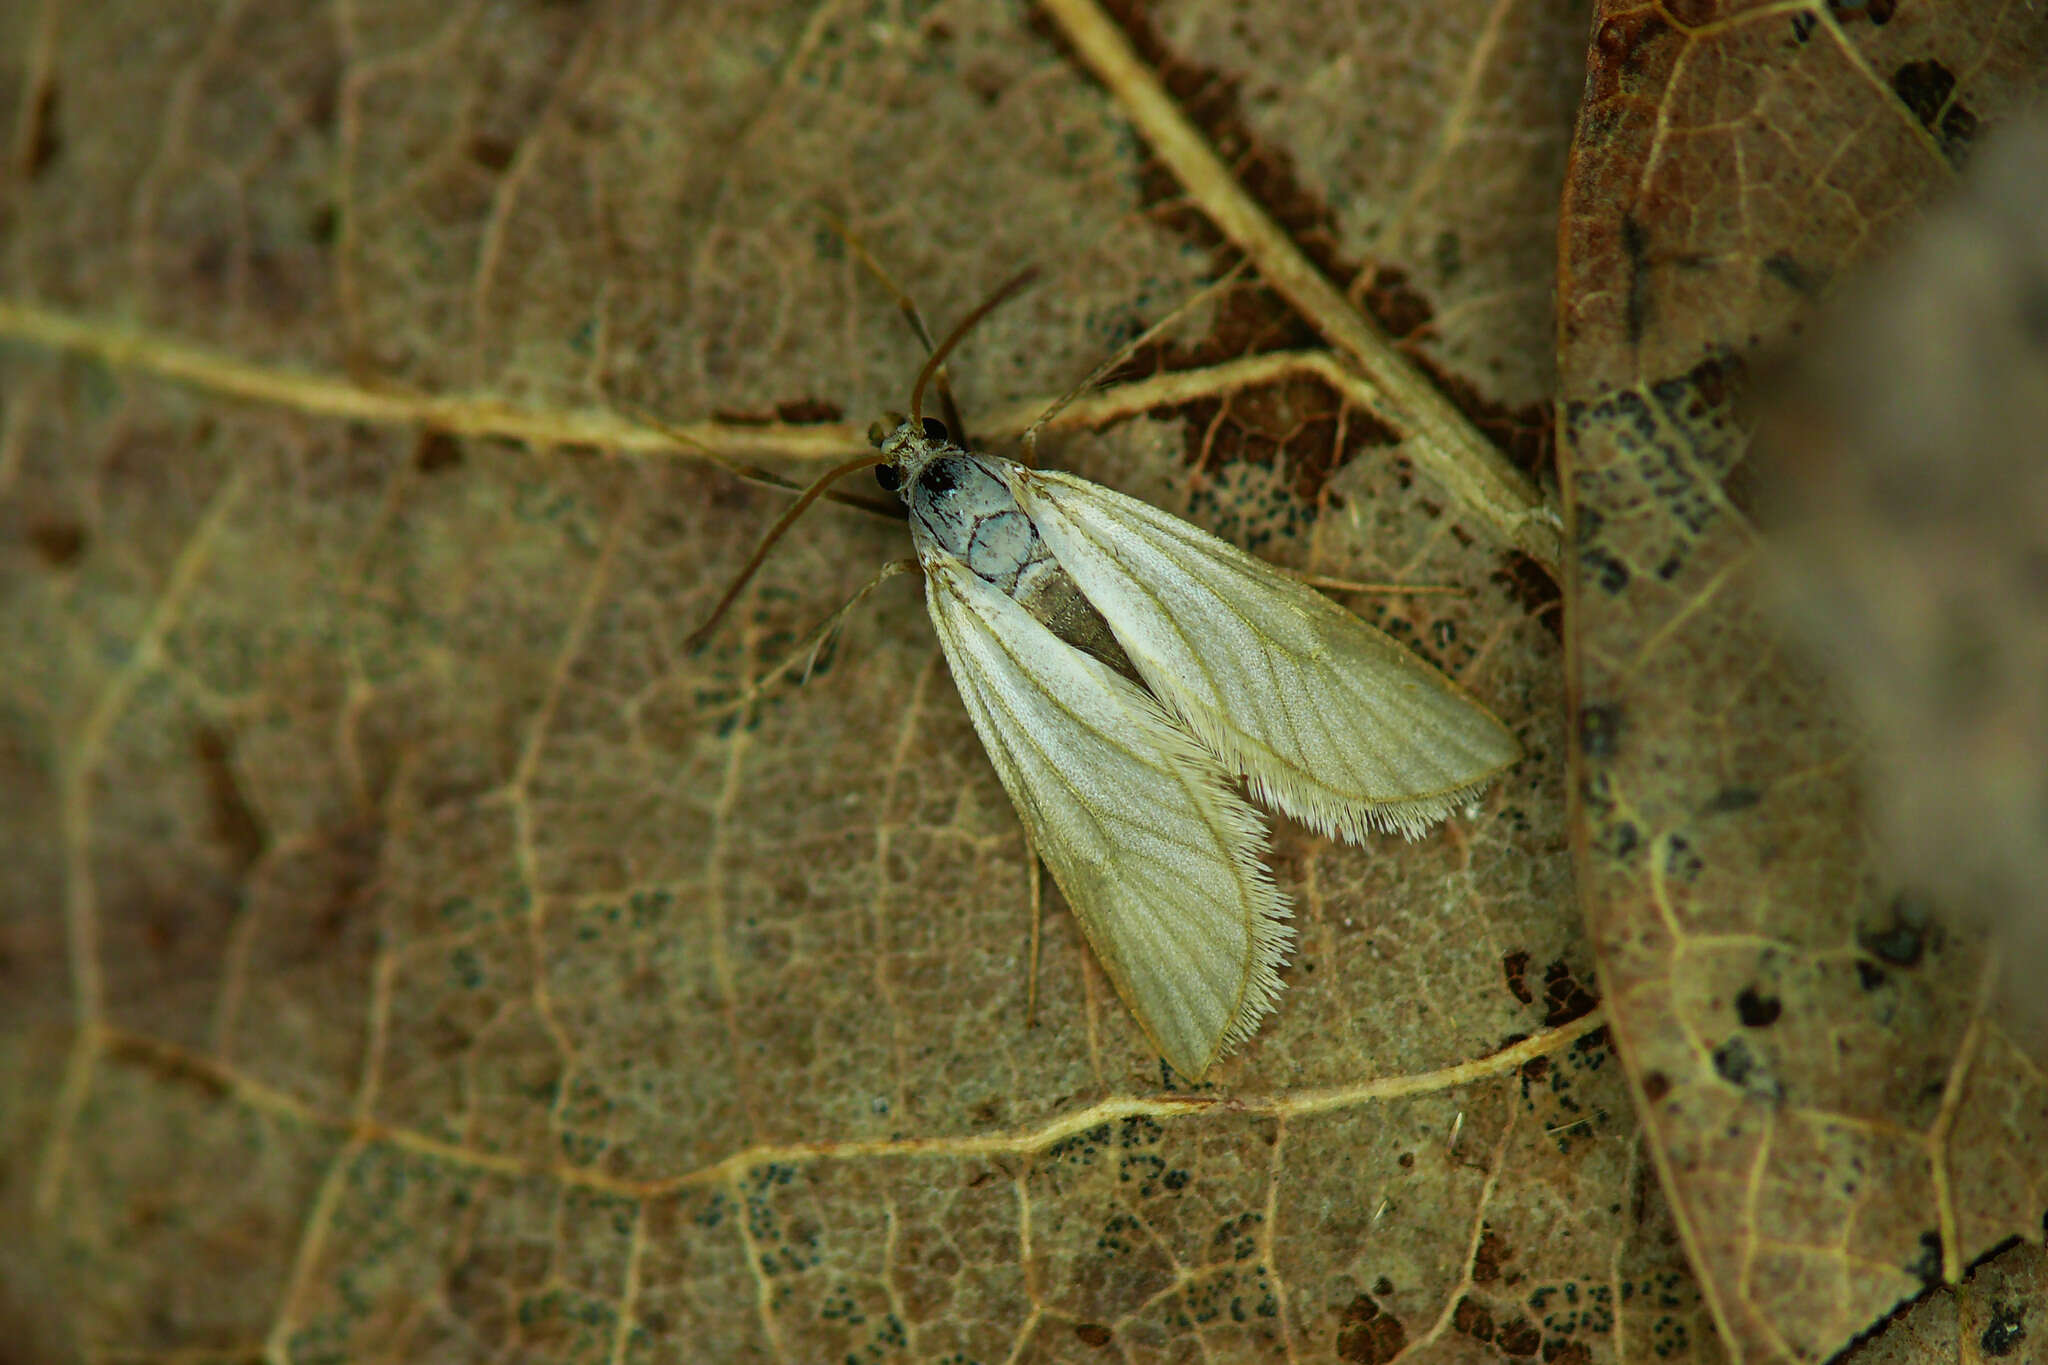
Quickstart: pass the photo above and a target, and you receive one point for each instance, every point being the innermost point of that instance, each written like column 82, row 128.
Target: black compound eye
column 934, row 429
column 889, row 476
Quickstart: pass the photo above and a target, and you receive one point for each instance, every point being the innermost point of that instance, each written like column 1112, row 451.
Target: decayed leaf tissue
column 409, row 949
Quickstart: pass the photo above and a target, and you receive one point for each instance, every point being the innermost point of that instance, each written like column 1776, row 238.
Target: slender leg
column 803, row 660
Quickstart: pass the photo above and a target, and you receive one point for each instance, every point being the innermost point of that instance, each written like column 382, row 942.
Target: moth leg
column 816, row 645
column 825, row 636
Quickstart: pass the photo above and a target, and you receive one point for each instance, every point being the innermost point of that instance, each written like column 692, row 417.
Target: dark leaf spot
column 1924, row 87
column 1901, row 939
column 436, row 451
column 1757, row 1011
column 1926, row 1267
column 1605, row 570
column 57, row 541
column 2006, row 1330
column 1733, row 1062
column 1681, row 864
column 1600, row 728
column 492, row 153
column 233, row 821
column 1787, row 270
column 44, row 141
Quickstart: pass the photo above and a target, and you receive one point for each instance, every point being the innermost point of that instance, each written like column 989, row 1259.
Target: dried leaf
column 1838, row 1122
column 409, row 952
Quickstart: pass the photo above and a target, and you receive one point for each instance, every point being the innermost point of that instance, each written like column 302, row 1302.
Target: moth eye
column 889, row 476
column 934, row 429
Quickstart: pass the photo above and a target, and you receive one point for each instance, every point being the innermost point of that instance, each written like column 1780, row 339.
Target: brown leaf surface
column 411, row 952
column 1839, row 1121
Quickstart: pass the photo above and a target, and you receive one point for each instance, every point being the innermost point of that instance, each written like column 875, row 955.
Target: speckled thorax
column 961, row 505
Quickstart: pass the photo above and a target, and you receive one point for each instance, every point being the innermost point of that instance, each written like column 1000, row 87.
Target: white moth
column 1124, row 669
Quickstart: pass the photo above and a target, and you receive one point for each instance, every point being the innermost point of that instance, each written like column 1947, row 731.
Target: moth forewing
column 1328, row 719
column 1157, row 856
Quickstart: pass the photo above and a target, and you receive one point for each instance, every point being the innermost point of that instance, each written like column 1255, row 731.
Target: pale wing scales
column 1158, row 858
column 1330, row 720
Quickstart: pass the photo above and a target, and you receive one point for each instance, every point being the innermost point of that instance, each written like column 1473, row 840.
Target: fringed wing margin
column 1157, row 856
column 1328, row 719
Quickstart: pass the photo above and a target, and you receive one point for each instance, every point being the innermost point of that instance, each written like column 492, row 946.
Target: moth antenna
column 905, row 305
column 1129, row 349
column 782, row 523
column 945, row 348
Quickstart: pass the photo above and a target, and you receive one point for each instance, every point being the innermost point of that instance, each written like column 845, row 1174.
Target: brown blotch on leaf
column 323, row 225
column 1093, row 1334
column 1927, row 88
column 807, row 411
column 1402, row 309
column 1367, row 1336
column 43, row 143
column 494, row 154
column 1533, row 590
column 58, row 541
column 231, row 819
column 436, row 451
column 1489, row 1256
column 1515, row 970
column 1519, row 1337
column 1564, row 997
column 1472, row 1318
column 1656, row 1085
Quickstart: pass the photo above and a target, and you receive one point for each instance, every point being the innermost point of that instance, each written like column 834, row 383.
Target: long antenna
column 1129, row 349
column 960, row 329
column 782, row 523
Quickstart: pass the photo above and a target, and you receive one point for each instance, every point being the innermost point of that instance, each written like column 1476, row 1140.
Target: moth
column 1125, row 670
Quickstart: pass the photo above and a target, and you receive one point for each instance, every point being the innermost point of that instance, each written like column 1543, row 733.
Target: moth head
column 910, row 445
